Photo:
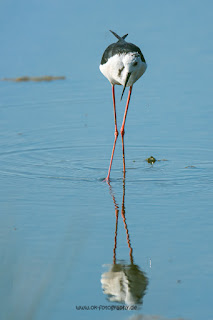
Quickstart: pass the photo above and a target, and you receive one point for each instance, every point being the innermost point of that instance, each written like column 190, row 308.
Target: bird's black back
column 119, row 48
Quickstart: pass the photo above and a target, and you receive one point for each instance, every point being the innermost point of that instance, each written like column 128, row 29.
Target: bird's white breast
column 118, row 66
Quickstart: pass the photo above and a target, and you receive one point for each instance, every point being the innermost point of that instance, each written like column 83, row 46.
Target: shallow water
column 68, row 240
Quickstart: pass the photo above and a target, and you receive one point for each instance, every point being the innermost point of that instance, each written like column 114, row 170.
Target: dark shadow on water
column 123, row 282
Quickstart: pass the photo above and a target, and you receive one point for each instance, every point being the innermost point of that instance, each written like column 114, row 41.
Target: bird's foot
column 107, row 180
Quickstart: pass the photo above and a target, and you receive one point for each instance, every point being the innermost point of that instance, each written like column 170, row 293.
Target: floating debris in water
column 36, row 79
column 151, row 160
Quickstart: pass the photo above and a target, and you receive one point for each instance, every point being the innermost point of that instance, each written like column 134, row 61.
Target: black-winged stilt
column 123, row 64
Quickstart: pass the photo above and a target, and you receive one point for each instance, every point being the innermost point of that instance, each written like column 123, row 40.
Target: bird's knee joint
column 122, row 133
column 116, row 133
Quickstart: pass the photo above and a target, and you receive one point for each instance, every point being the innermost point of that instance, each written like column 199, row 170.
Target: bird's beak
column 127, row 79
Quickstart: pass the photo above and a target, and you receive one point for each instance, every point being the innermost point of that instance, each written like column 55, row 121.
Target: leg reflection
column 124, row 282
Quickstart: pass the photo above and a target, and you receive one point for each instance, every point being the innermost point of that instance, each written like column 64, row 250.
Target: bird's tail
column 117, row 36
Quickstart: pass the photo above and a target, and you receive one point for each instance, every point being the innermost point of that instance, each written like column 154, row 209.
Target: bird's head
column 132, row 63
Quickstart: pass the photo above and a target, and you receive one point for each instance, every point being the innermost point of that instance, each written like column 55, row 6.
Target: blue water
column 68, row 240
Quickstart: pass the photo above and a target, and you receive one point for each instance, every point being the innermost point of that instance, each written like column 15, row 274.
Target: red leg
column 122, row 127
column 116, row 132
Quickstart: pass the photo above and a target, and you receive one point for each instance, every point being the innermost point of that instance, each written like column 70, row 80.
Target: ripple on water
column 178, row 167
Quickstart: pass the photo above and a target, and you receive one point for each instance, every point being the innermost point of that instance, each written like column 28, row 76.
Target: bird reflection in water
column 124, row 283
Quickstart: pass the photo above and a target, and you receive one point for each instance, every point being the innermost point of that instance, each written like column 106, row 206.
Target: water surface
column 68, row 240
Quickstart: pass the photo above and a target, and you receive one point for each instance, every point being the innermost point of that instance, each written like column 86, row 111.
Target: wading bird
column 123, row 64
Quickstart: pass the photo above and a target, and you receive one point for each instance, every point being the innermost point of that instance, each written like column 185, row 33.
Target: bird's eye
column 135, row 63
